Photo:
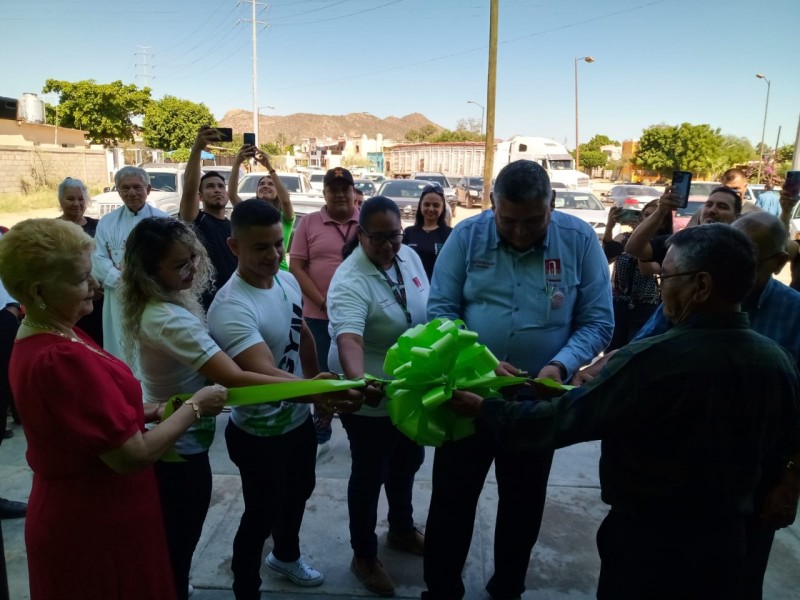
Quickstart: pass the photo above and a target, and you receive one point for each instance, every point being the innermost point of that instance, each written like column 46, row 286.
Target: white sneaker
column 298, row 571
column 191, row 590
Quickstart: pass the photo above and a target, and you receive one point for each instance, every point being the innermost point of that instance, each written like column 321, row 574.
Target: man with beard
column 723, row 205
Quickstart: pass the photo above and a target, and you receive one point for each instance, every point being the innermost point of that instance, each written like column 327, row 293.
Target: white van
column 553, row 156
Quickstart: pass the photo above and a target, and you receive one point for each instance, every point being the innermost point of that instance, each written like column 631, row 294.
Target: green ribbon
column 428, row 363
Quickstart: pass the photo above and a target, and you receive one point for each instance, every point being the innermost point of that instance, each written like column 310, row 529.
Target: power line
column 326, row 7
column 360, row 12
column 198, row 28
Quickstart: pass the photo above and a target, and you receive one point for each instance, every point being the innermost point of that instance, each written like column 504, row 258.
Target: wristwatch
column 561, row 368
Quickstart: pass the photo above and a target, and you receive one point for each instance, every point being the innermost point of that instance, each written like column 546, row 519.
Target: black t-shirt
column 427, row 244
column 659, row 247
column 90, row 227
column 214, row 234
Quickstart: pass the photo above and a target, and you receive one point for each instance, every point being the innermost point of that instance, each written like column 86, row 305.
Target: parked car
column 682, row 216
column 316, row 179
column 376, row 178
column 469, row 191
column 405, row 193
column 166, row 181
column 223, row 170
column 585, row 206
column 304, row 198
column 366, row 186
column 794, row 223
column 632, row 196
column 449, row 192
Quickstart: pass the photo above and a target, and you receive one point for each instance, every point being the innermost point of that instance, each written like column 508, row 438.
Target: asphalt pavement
column 564, row 565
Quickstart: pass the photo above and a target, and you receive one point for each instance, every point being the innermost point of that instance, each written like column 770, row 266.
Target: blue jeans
column 381, row 455
column 319, row 329
column 277, row 478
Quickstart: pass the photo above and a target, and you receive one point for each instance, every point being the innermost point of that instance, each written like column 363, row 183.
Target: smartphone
column 628, row 215
column 225, row 134
column 792, row 183
column 681, row 182
column 249, row 139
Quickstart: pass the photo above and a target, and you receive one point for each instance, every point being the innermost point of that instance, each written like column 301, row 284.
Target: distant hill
column 303, row 125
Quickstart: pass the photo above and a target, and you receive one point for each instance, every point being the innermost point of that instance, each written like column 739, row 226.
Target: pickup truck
column 166, row 181
column 305, row 199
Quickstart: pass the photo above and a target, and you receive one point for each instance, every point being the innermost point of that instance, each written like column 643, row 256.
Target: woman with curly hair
column 164, row 334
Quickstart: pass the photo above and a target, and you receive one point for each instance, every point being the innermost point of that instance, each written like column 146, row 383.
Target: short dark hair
column 370, row 208
column 523, row 180
column 732, row 174
column 725, row 253
column 252, row 213
column 208, row 175
column 737, row 198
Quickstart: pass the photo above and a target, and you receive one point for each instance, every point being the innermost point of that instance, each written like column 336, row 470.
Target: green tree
column 786, row 153
column 105, row 110
column 592, row 158
column 736, row 151
column 597, row 141
column 685, row 147
column 172, row 123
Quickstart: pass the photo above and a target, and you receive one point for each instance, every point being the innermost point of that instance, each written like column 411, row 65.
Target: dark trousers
column 381, row 455
column 759, row 544
column 8, row 331
column 185, row 490
column 319, row 329
column 664, row 557
column 277, row 478
column 459, row 471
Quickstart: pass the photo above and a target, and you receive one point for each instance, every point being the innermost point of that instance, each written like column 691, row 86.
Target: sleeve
column 447, row 285
column 593, row 315
column 234, row 327
column 84, row 399
column 658, row 245
column 656, row 325
column 103, row 268
column 300, row 239
column 348, row 304
column 179, row 334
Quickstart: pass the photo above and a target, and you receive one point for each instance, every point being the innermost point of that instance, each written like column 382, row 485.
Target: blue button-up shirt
column 552, row 302
column 775, row 315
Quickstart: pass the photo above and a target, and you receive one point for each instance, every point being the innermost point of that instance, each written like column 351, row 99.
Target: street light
column 587, row 59
column 763, row 127
column 483, row 111
column 258, row 119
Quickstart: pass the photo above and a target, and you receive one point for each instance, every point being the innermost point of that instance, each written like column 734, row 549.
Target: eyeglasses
column 660, row 278
column 186, row 268
column 770, row 257
column 434, row 187
column 126, row 189
column 378, row 239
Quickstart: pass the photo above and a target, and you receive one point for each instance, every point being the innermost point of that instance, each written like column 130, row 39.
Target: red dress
column 90, row 533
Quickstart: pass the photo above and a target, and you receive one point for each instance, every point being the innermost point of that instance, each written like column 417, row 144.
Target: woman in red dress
column 94, row 528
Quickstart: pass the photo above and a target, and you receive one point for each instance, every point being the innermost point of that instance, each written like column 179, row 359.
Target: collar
column 128, row 211
column 732, row 320
column 496, row 241
column 326, row 218
column 369, row 267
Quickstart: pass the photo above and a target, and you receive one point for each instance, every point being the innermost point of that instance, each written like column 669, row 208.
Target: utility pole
column 255, row 23
column 145, row 74
column 491, row 90
column 796, row 159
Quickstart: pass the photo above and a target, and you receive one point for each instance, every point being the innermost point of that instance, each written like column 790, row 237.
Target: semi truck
column 467, row 159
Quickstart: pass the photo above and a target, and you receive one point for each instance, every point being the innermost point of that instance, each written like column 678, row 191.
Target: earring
column 41, row 306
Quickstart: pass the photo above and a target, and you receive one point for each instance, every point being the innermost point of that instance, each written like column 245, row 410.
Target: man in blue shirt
column 769, row 200
column 534, row 285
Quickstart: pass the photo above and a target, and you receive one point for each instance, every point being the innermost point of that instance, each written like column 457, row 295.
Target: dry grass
column 46, row 198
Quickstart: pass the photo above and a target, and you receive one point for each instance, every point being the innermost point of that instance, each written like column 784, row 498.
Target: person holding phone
column 270, row 188
column 210, row 222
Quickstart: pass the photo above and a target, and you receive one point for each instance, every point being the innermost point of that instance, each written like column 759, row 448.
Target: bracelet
column 561, row 368
column 197, row 412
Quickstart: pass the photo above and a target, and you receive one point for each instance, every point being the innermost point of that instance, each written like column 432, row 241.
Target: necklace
column 27, row 322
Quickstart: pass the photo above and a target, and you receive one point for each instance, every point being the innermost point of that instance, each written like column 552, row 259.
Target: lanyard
column 398, row 289
column 346, row 234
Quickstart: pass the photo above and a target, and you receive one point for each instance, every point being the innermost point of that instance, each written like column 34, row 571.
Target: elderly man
column 535, row 286
column 689, row 421
column 133, row 186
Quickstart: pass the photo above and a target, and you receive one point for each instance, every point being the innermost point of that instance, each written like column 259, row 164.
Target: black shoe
column 9, row 509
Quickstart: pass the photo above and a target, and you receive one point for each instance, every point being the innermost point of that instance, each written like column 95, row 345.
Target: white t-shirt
column 173, row 345
column 361, row 301
column 242, row 316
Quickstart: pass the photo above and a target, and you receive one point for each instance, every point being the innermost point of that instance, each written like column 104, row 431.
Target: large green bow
column 428, row 363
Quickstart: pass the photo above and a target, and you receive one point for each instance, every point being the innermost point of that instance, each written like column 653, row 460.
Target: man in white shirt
column 133, row 186
column 257, row 319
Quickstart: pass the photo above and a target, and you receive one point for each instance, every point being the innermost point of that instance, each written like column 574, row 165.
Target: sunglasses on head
column 434, row 187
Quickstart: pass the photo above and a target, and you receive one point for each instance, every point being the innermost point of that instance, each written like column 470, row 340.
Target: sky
column 655, row 61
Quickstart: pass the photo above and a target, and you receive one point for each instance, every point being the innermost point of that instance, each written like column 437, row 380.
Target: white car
column 632, row 196
column 587, row 207
column 305, row 199
column 316, row 178
column 794, row 223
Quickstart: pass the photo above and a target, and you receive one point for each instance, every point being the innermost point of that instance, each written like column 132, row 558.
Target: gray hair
column 131, row 171
column 725, row 253
column 521, row 181
column 69, row 182
column 755, row 222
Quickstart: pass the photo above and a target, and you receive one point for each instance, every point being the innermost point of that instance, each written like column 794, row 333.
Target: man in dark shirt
column 688, row 421
column 210, row 223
